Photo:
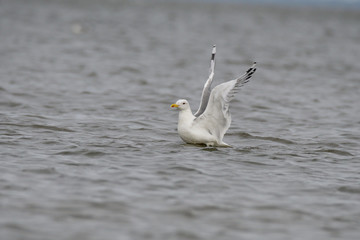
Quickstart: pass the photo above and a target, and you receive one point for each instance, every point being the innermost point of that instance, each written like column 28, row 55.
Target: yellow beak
column 174, row 105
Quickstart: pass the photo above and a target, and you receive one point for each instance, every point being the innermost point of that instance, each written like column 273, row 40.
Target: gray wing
column 216, row 118
column 207, row 87
column 239, row 82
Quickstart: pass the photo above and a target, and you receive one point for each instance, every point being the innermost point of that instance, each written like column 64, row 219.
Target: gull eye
column 183, row 103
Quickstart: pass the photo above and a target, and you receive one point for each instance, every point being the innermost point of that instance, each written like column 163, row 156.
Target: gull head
column 181, row 104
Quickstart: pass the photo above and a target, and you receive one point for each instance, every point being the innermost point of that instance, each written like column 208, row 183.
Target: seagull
column 211, row 121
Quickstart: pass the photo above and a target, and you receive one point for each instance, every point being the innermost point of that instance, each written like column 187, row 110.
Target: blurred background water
column 89, row 148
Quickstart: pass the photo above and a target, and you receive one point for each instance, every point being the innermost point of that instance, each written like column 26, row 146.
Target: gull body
column 192, row 131
column 210, row 123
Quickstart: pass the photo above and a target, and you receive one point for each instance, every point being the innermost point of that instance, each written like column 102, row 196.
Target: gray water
column 89, row 148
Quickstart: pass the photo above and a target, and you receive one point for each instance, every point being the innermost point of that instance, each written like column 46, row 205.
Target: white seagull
column 211, row 121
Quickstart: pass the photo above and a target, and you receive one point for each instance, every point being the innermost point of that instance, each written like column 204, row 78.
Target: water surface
column 89, row 148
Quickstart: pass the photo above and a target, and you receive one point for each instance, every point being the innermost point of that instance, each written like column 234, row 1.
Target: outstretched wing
column 207, row 87
column 216, row 118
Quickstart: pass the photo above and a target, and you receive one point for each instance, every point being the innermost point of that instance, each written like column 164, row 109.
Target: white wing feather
column 216, row 118
column 207, row 86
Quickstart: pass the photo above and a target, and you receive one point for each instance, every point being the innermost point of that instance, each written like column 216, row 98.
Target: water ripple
column 41, row 170
column 89, row 144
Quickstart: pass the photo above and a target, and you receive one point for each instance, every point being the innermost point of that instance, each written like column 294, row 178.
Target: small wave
column 255, row 119
column 12, row 186
column 41, row 170
column 206, row 208
column 93, row 74
column 23, row 94
column 94, row 153
column 88, row 153
column 246, row 149
column 50, row 142
column 241, row 134
column 210, row 149
column 52, row 128
column 125, row 69
column 273, row 139
column 260, row 107
column 187, row 169
column 81, row 216
column 279, row 140
column 184, row 234
column 35, row 116
column 77, row 164
column 335, row 151
column 10, row 104
column 188, row 213
column 348, row 189
column 256, row 163
column 116, row 206
column 15, row 226
column 48, row 127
